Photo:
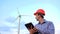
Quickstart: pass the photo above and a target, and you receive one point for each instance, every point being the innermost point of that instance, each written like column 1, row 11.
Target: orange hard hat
column 41, row 11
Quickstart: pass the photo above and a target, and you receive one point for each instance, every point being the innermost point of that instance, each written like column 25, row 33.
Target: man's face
column 37, row 17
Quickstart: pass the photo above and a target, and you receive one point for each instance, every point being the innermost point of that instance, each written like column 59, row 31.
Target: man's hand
column 33, row 30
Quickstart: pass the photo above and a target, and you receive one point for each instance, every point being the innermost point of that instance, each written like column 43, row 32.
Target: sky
column 9, row 13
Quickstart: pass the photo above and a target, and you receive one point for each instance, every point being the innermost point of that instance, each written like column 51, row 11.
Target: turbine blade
column 25, row 15
column 15, row 19
column 18, row 11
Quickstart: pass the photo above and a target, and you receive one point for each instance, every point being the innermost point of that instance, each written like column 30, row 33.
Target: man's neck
column 41, row 21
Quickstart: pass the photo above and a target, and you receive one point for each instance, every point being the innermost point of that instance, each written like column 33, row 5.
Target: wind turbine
column 19, row 18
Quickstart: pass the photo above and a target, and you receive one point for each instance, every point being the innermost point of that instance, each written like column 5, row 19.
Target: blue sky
column 8, row 13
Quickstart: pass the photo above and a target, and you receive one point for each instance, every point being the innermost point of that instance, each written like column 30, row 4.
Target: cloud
column 15, row 31
column 11, row 32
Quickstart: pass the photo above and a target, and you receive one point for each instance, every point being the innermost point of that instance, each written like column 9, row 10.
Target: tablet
column 29, row 25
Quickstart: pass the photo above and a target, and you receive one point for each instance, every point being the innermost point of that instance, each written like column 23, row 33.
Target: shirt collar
column 43, row 22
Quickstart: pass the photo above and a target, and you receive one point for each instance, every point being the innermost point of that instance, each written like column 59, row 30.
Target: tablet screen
column 29, row 25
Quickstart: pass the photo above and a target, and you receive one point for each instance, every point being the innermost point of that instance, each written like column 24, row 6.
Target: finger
column 35, row 29
column 31, row 27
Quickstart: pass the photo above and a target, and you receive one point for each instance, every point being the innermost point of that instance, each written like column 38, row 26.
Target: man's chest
column 42, row 27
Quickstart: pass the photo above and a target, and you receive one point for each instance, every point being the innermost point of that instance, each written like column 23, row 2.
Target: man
column 44, row 26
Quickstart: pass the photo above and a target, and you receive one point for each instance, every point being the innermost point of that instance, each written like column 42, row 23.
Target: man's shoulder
column 49, row 23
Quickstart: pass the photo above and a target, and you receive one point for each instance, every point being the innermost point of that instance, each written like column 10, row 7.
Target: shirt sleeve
column 50, row 29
